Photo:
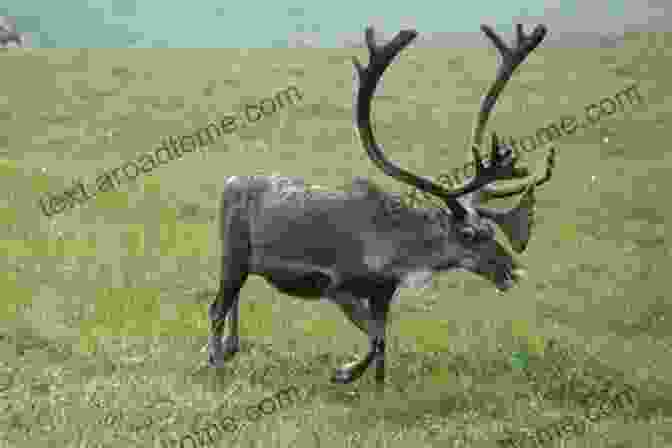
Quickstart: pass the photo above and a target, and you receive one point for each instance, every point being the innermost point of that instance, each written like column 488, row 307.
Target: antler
column 511, row 59
column 502, row 163
column 516, row 222
column 490, row 192
column 380, row 58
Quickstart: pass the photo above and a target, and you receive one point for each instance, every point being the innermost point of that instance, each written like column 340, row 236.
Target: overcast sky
column 574, row 23
column 324, row 24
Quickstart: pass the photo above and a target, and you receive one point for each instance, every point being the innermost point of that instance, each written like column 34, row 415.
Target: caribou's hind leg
column 226, row 302
column 235, row 235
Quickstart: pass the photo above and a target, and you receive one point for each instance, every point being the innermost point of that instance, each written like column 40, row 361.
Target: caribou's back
column 360, row 229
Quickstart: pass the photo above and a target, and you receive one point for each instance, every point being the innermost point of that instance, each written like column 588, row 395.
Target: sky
column 323, row 24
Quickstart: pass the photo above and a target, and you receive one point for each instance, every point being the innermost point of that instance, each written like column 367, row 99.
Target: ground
column 111, row 296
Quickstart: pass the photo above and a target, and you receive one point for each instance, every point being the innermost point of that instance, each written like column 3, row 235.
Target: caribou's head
column 468, row 237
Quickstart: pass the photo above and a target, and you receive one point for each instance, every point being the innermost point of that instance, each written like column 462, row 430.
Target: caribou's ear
column 517, row 222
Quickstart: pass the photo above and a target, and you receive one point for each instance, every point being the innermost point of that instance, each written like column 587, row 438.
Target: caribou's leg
column 225, row 302
column 234, row 272
column 374, row 325
column 379, row 310
column 354, row 309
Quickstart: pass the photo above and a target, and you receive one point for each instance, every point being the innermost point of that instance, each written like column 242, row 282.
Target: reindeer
column 9, row 37
column 358, row 247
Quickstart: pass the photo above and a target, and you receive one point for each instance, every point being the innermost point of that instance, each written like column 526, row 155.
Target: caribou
column 358, row 247
column 9, row 37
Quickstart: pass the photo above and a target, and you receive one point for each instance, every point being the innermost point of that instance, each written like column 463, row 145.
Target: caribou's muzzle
column 496, row 264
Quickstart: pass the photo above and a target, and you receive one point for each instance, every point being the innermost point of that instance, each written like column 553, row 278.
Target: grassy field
column 108, row 301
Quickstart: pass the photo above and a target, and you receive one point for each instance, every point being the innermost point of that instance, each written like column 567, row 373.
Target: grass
column 110, row 298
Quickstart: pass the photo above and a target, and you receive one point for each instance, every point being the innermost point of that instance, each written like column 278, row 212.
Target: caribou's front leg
column 354, row 309
column 374, row 326
column 379, row 310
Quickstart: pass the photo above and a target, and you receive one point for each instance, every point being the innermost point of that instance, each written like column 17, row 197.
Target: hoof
column 218, row 360
column 342, row 376
column 348, row 373
column 231, row 347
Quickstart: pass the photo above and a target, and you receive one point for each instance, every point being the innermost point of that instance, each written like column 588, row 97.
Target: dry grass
column 111, row 297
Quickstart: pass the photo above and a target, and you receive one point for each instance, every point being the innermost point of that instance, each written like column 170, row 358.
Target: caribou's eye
column 468, row 233
column 488, row 230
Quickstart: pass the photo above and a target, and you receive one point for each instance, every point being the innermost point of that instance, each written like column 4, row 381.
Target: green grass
column 112, row 296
